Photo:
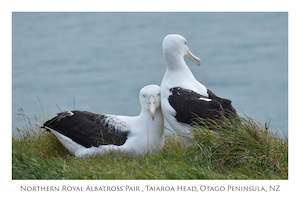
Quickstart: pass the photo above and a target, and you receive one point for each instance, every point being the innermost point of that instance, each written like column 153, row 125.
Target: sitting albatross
column 84, row 133
column 183, row 98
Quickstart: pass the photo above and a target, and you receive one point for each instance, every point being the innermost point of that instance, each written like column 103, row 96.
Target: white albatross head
column 175, row 47
column 150, row 99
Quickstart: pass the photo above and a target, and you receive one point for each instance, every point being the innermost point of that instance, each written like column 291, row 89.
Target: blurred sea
column 99, row 61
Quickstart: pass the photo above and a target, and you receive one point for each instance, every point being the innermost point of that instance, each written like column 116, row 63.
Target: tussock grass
column 232, row 149
column 243, row 145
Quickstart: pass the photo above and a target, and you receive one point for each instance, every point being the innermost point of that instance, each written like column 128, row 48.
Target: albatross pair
column 182, row 99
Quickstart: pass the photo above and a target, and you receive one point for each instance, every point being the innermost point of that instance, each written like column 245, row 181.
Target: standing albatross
column 183, row 98
column 84, row 133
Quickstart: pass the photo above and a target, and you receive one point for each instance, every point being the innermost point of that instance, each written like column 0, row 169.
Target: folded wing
column 190, row 105
column 89, row 129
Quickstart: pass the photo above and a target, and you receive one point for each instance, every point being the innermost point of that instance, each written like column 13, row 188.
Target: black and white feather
column 189, row 105
column 89, row 129
column 84, row 133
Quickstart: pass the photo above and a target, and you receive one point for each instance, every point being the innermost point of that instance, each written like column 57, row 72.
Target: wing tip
column 45, row 127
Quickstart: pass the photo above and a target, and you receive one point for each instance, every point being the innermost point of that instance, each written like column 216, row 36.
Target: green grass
column 234, row 149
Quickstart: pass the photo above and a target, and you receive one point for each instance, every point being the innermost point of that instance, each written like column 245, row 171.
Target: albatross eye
column 185, row 42
column 144, row 95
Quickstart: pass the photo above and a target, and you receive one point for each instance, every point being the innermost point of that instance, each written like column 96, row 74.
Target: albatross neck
column 176, row 63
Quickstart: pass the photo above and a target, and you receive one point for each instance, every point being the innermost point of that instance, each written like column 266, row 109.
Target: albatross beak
column 193, row 58
column 152, row 106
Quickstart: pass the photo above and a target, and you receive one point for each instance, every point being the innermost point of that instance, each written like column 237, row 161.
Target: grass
column 233, row 149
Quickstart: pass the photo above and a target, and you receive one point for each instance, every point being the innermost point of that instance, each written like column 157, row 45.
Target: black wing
column 229, row 110
column 89, row 129
column 190, row 105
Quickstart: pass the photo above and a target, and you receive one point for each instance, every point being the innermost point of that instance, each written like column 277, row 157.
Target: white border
column 11, row 188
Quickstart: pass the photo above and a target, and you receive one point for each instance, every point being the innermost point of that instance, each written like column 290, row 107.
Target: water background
column 99, row 61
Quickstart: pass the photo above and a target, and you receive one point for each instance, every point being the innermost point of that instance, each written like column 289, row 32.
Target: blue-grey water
column 99, row 61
